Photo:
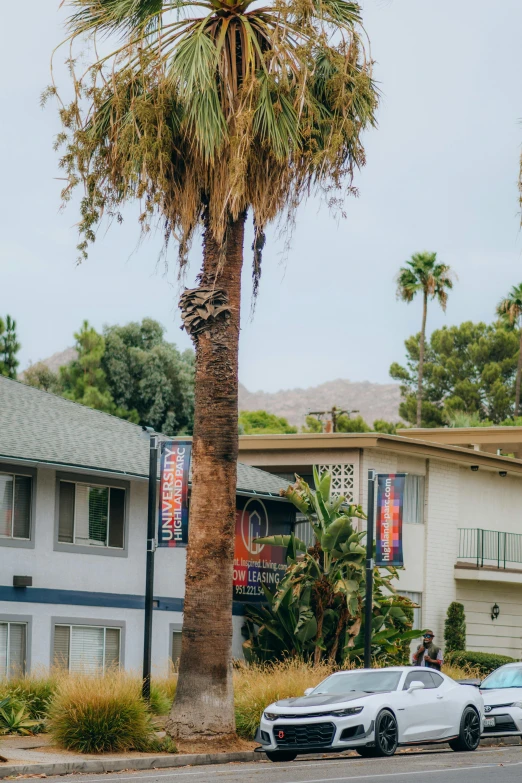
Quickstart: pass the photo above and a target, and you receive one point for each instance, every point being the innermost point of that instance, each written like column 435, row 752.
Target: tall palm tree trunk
column 519, row 375
column 203, row 706
column 421, row 359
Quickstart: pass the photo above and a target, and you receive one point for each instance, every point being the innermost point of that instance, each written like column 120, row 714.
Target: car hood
column 322, row 699
column 501, row 695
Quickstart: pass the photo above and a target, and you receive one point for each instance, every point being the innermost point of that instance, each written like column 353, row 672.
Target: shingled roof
column 39, row 427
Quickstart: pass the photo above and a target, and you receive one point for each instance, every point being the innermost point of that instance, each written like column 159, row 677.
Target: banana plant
column 323, row 588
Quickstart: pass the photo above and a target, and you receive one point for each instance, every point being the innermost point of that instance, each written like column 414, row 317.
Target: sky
column 441, row 175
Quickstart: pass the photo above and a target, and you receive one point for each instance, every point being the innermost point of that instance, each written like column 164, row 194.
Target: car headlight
column 347, row 711
column 517, row 704
column 270, row 715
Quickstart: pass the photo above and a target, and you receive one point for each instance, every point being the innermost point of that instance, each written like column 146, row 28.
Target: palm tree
column 423, row 273
column 511, row 309
column 204, row 110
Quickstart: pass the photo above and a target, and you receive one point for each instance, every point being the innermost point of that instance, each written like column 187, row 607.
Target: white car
column 373, row 711
column 502, row 694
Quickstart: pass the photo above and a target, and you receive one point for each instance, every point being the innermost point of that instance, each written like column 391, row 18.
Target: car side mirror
column 416, row 685
column 308, row 691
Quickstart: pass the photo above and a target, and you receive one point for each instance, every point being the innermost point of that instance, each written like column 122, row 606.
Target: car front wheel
column 280, row 755
column 386, row 734
column 469, row 734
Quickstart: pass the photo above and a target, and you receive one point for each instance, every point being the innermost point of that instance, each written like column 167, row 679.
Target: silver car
column 502, row 693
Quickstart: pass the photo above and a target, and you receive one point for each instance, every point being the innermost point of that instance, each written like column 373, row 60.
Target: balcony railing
column 489, row 547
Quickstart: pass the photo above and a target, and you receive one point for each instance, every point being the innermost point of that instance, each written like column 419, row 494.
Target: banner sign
column 390, row 500
column 174, row 478
column 256, row 564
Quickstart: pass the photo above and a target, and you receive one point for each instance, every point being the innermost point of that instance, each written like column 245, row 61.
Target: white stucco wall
column 486, row 500
column 503, row 635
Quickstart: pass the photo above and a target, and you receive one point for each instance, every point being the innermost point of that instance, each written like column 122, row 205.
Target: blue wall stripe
column 44, row 595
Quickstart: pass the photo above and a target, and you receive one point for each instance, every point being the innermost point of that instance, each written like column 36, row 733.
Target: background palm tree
column 203, row 118
column 511, row 308
column 424, row 274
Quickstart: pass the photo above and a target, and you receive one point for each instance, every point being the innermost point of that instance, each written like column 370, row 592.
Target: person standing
column 428, row 654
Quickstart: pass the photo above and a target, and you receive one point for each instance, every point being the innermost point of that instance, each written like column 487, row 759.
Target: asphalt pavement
column 435, row 766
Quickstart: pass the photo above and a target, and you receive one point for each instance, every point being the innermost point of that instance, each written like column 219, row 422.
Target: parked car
column 502, row 694
column 373, row 711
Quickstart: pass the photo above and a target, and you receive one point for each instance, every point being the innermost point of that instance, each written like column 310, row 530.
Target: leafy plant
column 317, row 608
column 15, row 718
column 455, row 628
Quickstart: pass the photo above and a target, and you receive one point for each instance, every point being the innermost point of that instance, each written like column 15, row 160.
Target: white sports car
column 373, row 711
column 502, row 693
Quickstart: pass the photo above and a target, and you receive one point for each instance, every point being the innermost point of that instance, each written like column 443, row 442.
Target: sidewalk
column 36, row 756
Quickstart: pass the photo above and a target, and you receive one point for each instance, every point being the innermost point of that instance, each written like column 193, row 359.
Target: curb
column 118, row 765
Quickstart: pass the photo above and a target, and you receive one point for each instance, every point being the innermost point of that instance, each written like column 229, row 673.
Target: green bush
column 455, row 628
column 100, row 714
column 484, row 662
column 33, row 691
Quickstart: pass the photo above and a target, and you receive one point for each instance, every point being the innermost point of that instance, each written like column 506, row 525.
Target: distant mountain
column 57, row 360
column 372, row 400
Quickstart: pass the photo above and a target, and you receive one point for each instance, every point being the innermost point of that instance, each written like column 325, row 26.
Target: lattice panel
column 342, row 480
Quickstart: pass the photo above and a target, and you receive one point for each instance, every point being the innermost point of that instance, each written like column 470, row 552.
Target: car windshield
column 369, row 682
column 509, row 677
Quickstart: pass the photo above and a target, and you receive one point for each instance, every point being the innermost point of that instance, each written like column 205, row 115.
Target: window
column 86, row 649
column 413, row 510
column 304, row 530
column 437, row 679
column 417, row 676
column 176, row 648
column 13, row 643
column 15, row 506
column 417, row 613
column 91, row 515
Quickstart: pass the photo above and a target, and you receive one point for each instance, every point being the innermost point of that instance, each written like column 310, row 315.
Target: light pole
column 151, row 546
column 368, row 606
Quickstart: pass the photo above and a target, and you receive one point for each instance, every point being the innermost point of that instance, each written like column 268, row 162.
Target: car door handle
column 440, row 697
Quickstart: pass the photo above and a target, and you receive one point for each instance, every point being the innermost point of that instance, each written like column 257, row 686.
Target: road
column 435, row 766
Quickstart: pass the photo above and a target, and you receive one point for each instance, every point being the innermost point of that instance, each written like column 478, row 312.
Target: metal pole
column 149, row 577
column 369, row 572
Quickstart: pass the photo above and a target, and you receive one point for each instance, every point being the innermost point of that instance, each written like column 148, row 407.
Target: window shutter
column 17, row 645
column 6, row 505
column 176, row 648
column 116, row 517
column 112, row 648
column 3, row 649
column 22, row 507
column 86, row 650
column 62, row 635
column 66, row 512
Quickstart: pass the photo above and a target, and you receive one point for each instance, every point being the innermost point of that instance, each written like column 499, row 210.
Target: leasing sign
column 174, row 478
column 390, row 501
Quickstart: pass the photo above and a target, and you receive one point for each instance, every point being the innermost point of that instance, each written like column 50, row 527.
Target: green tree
column 147, row 374
column 511, row 308
column 317, row 610
column 84, row 381
column 423, row 274
column 346, row 424
column 42, row 377
column 9, row 347
column 202, row 118
column 468, row 369
column 263, row 423
column 455, row 628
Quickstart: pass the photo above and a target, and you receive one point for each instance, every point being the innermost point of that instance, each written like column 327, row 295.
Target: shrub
column 33, row 691
column 258, row 685
column 455, row 628
column 99, row 714
column 15, row 718
column 482, row 661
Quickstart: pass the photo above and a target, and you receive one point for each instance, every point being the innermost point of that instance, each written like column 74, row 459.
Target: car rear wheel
column 280, row 755
column 469, row 735
column 386, row 734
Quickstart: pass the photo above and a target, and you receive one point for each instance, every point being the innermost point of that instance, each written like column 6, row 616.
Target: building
column 462, row 515
column 73, row 521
